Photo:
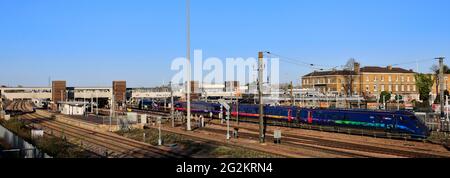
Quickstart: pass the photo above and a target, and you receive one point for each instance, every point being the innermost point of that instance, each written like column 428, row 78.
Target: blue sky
column 92, row 42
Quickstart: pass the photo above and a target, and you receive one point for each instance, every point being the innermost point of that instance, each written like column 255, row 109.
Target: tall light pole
column 96, row 103
column 1, row 101
column 172, row 105
column 188, row 58
column 441, row 86
column 260, row 93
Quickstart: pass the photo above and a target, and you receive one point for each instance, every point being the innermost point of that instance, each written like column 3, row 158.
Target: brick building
column 367, row 81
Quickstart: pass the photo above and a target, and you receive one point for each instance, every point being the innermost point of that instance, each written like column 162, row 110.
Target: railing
column 433, row 121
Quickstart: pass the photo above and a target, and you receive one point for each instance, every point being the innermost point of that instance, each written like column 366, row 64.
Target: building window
column 396, row 87
column 367, row 88
column 390, row 88
column 414, row 88
column 382, row 78
column 403, row 87
column 375, row 88
column 409, row 87
column 382, row 88
column 403, row 78
column 376, row 78
column 397, row 78
column 390, row 78
column 329, row 81
column 367, row 79
column 408, row 79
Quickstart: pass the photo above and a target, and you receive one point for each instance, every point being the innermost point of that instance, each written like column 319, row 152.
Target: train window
column 402, row 119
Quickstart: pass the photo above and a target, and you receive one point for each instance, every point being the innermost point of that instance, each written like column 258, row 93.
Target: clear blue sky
column 92, row 42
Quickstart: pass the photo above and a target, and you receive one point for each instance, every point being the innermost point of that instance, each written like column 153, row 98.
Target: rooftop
column 373, row 69
column 336, row 72
column 367, row 69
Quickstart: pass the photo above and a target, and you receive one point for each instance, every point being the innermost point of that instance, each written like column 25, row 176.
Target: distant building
column 367, row 81
column 73, row 108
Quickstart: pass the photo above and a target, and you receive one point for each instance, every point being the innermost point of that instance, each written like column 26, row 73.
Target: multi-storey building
column 367, row 81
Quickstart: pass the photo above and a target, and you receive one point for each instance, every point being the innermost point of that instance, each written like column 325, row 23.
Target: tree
column 438, row 98
column 386, row 96
column 436, row 69
column 350, row 65
column 424, row 84
column 398, row 98
column 349, row 76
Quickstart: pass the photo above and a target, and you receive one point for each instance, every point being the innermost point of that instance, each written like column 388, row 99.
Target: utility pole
column 446, row 103
column 378, row 93
column 260, row 93
column 237, row 105
column 96, row 103
column 111, row 112
column 1, row 101
column 292, row 94
column 92, row 103
column 62, row 100
column 159, row 131
column 188, row 57
column 172, row 105
column 441, row 86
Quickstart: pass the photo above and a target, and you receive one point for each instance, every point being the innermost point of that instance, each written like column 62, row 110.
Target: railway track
column 20, row 107
column 117, row 146
column 302, row 141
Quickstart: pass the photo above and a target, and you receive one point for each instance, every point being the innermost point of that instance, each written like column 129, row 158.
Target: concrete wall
column 93, row 92
column 155, row 94
column 73, row 110
column 26, row 93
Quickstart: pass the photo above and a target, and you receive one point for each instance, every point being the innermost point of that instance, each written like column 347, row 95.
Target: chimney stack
column 389, row 68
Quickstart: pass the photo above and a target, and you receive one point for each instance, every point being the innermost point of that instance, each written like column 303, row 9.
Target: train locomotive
column 396, row 122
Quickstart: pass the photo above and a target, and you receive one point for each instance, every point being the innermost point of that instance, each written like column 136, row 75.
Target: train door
column 290, row 115
column 391, row 126
column 310, row 117
column 392, row 123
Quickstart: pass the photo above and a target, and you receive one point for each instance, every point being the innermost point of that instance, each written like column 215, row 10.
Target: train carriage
column 388, row 121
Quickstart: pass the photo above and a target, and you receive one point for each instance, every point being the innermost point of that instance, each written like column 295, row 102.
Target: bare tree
column 350, row 65
column 349, row 76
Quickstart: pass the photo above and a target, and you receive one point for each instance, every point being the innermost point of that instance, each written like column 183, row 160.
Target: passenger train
column 401, row 122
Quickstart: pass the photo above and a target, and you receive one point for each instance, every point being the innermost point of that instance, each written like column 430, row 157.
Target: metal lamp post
column 188, row 57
